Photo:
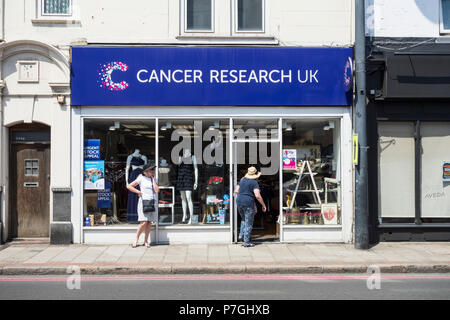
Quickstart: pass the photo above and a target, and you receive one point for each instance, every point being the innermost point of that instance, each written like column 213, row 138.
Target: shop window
column 311, row 172
column 198, row 15
column 445, row 16
column 435, row 169
column 194, row 172
column 114, row 154
column 249, row 15
column 396, row 169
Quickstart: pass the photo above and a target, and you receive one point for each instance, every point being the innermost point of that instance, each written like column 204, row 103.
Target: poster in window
column 289, row 159
column 92, row 149
column 104, row 197
column 446, row 171
column 329, row 213
column 94, row 175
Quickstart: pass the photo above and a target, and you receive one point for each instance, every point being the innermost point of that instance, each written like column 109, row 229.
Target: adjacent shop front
column 409, row 130
column 204, row 115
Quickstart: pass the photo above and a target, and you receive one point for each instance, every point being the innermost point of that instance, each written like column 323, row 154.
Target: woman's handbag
column 148, row 206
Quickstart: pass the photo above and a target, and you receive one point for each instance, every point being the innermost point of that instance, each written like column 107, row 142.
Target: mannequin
column 185, row 183
column 164, row 173
column 135, row 154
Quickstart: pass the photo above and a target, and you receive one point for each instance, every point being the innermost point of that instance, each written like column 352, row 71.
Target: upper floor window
column 250, row 15
column 56, row 7
column 445, row 16
column 236, row 16
column 199, row 15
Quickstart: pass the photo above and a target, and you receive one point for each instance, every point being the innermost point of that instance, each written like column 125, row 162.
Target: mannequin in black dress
column 185, row 183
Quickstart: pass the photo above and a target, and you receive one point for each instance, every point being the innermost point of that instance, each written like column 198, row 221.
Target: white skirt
column 145, row 216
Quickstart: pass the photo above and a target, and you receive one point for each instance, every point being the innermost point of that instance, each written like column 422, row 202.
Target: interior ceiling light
column 168, row 125
column 115, row 126
column 215, row 126
column 135, row 126
column 329, row 126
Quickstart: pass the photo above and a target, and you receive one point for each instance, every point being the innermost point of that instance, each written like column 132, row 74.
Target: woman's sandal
column 147, row 245
column 134, row 245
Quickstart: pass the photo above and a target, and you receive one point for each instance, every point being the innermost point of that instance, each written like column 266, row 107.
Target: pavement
column 40, row 258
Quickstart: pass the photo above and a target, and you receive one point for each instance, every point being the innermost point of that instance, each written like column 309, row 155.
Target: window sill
column 55, row 21
column 241, row 39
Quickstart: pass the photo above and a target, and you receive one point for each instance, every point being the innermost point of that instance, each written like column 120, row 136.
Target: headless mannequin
column 135, row 154
column 186, row 195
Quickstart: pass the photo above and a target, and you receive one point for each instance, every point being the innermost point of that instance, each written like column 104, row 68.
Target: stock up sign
column 211, row 76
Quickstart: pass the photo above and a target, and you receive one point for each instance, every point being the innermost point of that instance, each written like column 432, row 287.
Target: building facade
column 203, row 89
column 409, row 129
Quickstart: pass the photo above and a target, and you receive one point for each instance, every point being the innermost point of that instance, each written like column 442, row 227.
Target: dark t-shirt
column 246, row 197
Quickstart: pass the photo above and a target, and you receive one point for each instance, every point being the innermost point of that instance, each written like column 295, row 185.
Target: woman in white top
column 149, row 189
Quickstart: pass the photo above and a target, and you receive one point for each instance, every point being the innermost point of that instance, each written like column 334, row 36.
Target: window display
column 192, row 170
column 195, row 172
column 311, row 172
column 114, row 154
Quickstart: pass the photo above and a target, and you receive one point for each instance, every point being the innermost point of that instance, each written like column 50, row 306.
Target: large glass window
column 414, row 171
column 114, row 154
column 311, row 171
column 435, row 172
column 396, row 169
column 198, row 15
column 194, row 172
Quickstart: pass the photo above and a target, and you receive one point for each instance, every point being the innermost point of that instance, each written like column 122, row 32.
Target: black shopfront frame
column 406, row 229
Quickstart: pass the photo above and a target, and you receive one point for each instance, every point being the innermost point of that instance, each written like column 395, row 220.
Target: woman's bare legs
column 148, row 228
column 140, row 229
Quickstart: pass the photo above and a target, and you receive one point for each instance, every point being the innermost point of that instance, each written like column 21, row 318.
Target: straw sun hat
column 252, row 173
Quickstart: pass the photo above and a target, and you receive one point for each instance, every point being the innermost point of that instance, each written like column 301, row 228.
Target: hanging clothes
column 133, row 198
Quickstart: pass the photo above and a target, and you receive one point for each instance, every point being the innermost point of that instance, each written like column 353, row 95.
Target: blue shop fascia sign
column 211, row 76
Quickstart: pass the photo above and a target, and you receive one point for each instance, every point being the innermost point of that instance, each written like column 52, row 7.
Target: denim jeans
column 247, row 214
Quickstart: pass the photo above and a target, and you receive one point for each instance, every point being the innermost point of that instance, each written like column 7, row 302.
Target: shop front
column 203, row 116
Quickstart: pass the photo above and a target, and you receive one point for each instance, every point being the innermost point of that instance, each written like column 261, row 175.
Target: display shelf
column 168, row 205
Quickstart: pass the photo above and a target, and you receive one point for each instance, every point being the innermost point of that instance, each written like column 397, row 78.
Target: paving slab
column 112, row 254
column 132, row 255
column 69, row 254
column 89, row 255
column 46, row 255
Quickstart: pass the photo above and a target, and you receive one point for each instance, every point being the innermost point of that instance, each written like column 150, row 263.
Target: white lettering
column 175, row 79
column 198, row 76
column 153, row 76
column 139, row 76
column 270, row 76
column 311, row 75
column 223, row 76
column 261, row 76
column 283, row 76
column 253, row 77
column 300, row 76
column 214, row 74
